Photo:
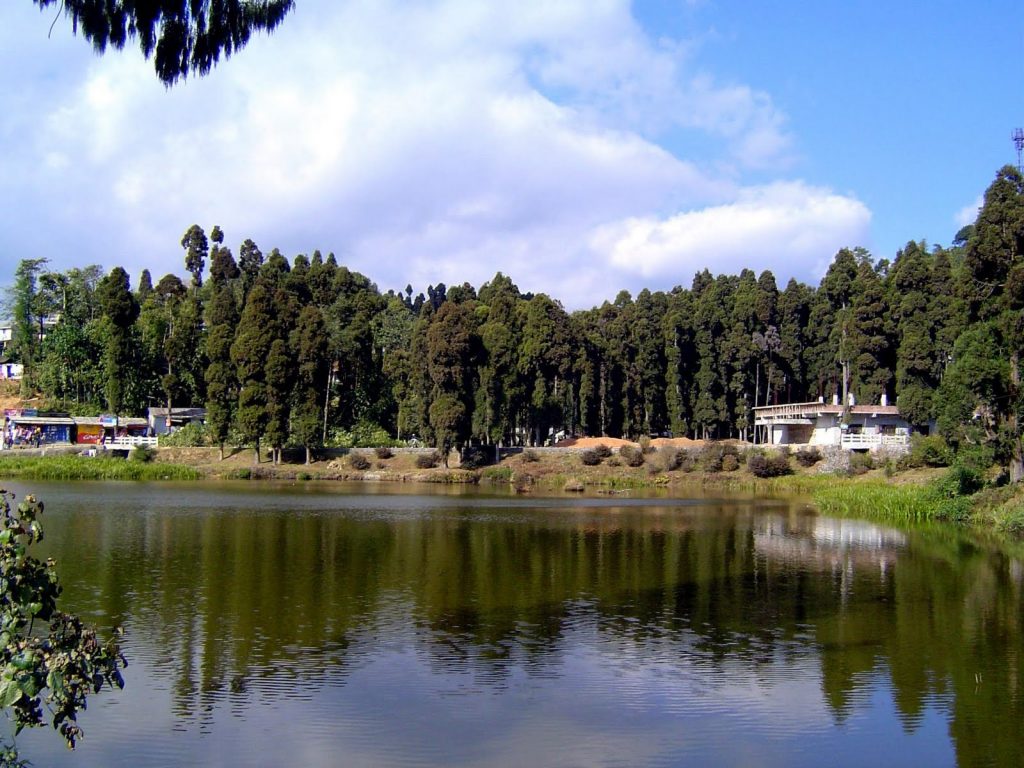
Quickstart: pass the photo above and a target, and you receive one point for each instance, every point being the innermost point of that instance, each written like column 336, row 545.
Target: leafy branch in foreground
column 56, row 668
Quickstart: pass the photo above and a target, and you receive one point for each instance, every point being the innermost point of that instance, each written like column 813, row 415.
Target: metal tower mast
column 1018, row 141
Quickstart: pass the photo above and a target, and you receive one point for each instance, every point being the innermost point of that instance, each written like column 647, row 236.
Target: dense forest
column 298, row 352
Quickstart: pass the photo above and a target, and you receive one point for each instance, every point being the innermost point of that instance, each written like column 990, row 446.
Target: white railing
column 860, row 440
column 765, row 412
column 130, row 442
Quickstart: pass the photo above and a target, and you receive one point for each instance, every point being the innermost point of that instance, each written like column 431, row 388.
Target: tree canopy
column 182, row 36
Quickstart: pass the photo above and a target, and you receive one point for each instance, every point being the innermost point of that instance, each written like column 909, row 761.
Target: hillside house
column 10, row 369
column 867, row 427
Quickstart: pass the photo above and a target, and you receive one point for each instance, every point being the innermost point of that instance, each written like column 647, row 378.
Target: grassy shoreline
column 997, row 508
column 905, row 498
column 68, row 467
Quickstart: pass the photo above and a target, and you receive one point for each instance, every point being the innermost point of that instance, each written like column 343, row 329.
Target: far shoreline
column 877, row 494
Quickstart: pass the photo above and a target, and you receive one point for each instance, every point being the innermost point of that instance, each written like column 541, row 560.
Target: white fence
column 855, row 440
column 131, row 442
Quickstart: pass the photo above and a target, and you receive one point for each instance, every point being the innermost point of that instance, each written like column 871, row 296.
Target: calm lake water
column 380, row 626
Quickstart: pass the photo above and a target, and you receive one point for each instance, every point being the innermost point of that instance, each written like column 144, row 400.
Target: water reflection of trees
column 217, row 601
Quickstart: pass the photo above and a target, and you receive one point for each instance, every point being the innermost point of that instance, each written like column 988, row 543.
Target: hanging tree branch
column 182, row 36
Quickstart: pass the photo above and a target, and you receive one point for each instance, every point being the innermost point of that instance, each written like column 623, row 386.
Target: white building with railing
column 858, row 427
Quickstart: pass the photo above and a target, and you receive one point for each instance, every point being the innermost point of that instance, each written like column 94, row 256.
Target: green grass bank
column 943, row 499
column 70, row 467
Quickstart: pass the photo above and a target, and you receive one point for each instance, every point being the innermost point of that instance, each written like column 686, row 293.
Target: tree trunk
column 327, row 399
column 221, row 445
column 308, row 455
column 757, row 383
column 843, row 351
column 256, row 452
column 1017, row 457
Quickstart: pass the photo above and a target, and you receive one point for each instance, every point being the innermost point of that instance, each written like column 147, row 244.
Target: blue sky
column 579, row 146
column 908, row 105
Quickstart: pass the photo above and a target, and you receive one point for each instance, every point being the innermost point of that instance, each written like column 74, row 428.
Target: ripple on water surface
column 321, row 628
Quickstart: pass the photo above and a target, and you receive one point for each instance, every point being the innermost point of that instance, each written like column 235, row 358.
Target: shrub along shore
column 913, row 488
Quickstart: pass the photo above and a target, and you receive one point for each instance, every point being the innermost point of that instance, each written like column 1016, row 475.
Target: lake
column 374, row 625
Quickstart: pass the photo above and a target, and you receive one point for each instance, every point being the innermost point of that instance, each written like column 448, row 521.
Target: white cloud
column 429, row 141
column 969, row 213
column 786, row 226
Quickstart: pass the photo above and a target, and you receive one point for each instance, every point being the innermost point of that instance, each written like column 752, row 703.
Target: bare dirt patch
column 676, row 442
column 10, row 397
column 593, row 442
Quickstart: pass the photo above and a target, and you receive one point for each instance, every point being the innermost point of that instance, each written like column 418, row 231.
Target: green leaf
column 10, row 692
column 30, row 589
column 29, row 686
column 55, row 682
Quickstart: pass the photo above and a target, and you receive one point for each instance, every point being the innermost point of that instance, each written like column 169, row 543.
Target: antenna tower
column 1018, row 142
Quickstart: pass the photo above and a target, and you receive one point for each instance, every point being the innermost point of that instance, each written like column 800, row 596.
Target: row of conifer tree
column 283, row 351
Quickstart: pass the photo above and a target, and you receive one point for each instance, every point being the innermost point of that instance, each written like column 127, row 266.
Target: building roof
column 42, row 420
column 63, row 418
column 789, row 409
column 876, row 410
column 122, row 421
column 180, row 413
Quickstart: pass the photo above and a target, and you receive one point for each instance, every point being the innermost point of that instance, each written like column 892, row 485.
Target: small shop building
column 29, row 428
column 98, row 430
column 161, row 420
